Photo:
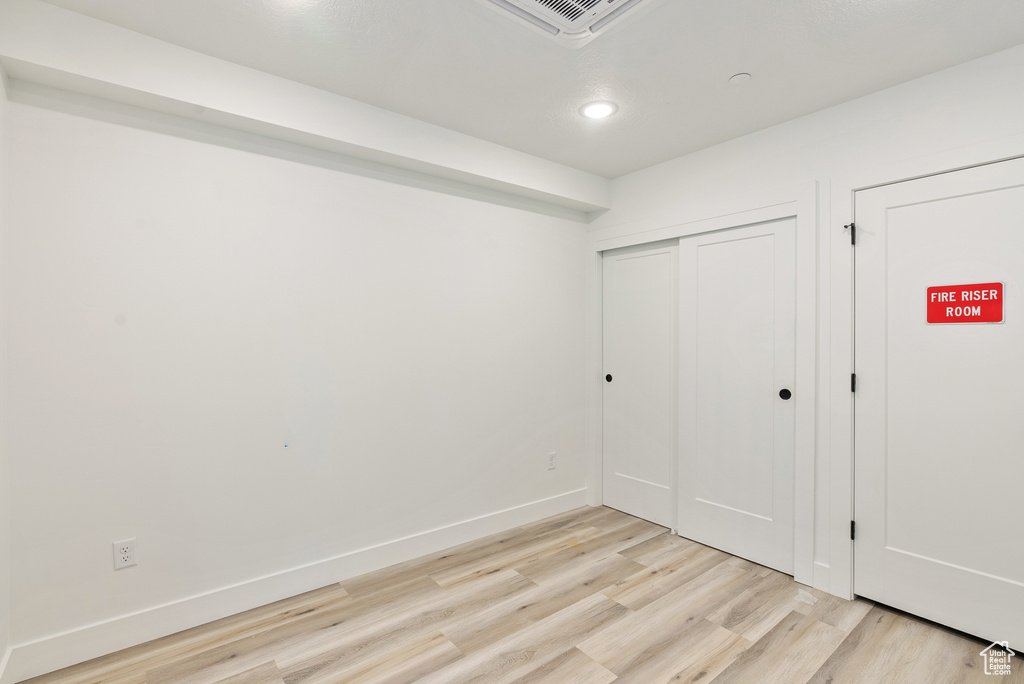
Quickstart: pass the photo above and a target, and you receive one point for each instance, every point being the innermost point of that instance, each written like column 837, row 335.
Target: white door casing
column 939, row 428
column 736, row 353
column 639, row 403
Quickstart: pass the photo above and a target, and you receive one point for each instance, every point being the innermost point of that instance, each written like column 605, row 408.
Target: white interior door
column 737, row 355
column 639, row 388
column 940, row 407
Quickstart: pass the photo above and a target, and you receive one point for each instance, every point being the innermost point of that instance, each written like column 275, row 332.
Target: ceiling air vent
column 570, row 22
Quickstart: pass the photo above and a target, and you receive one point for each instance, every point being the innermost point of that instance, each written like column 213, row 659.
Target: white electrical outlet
column 124, row 554
column 551, row 460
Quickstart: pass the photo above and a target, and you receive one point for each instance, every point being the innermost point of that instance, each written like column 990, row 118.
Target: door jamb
column 841, row 268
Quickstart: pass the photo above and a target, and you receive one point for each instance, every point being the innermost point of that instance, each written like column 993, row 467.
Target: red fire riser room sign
column 974, row 303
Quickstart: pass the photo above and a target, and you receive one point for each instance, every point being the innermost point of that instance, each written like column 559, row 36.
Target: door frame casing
column 800, row 203
column 840, row 266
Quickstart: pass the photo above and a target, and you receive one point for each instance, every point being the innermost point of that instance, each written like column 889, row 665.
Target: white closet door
column 737, row 362
column 940, row 406
column 639, row 388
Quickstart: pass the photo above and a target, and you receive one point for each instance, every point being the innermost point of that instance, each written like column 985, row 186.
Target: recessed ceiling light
column 598, row 110
column 738, row 79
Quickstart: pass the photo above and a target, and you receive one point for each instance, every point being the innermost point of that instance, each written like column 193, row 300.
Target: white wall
column 964, row 106
column 5, row 501
column 253, row 365
column 178, row 311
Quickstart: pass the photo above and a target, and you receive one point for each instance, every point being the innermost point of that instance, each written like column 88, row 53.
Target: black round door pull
column 785, row 393
column 608, row 377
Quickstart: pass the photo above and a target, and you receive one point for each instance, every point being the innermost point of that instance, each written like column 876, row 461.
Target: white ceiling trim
column 45, row 44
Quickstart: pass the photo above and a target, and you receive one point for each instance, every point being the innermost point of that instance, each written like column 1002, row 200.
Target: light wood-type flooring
column 588, row 597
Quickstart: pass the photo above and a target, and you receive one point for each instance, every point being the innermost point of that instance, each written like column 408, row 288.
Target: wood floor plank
column 653, row 550
column 840, row 613
column 664, row 576
column 771, row 659
column 664, row 654
column 399, row 628
column 529, row 551
column 951, row 659
column 550, row 567
column 522, row 610
column 756, row 610
column 709, row 657
column 314, row 630
column 572, row 667
column 393, row 657
column 881, row 648
column 615, row 647
column 590, row 596
column 266, row 673
column 534, row 646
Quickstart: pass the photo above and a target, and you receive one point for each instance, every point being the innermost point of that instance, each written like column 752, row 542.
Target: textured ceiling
column 462, row 65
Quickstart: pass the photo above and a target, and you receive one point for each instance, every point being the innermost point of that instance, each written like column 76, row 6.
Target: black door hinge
column 853, row 382
column 852, row 227
column 853, row 530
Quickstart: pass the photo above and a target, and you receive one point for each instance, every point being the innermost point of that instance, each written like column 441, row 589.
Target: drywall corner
column 5, row 498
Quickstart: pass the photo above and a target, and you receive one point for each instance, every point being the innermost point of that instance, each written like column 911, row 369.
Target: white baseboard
column 821, row 580
column 3, row 664
column 91, row 641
